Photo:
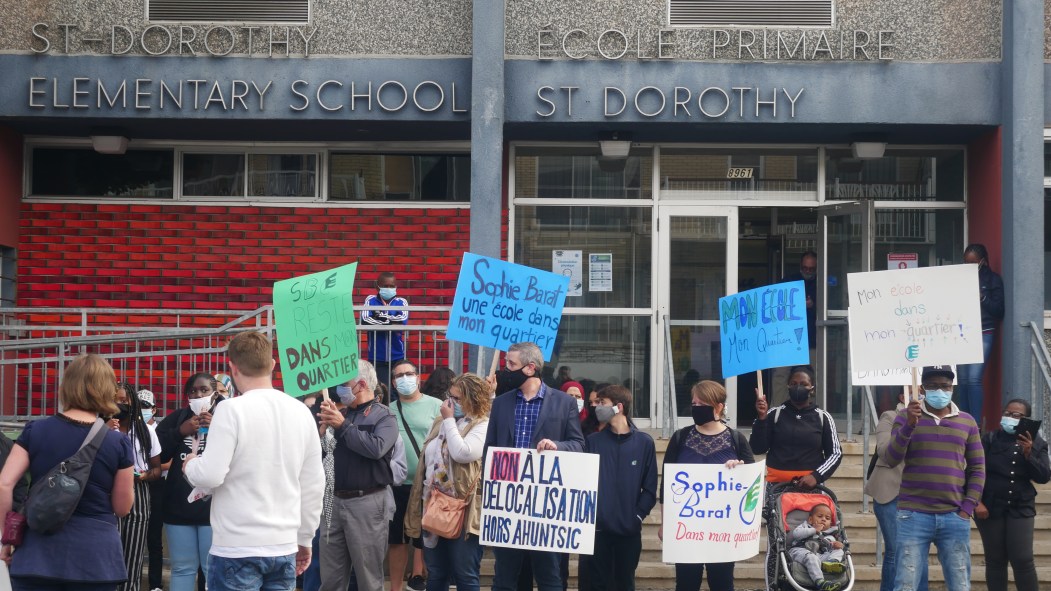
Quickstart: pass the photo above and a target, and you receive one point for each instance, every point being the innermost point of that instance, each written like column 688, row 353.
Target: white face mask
column 580, row 404
column 199, row 405
column 405, row 385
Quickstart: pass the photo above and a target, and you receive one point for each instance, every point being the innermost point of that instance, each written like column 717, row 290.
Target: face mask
column 388, row 293
column 938, row 399
column 457, row 410
column 580, row 404
column 807, row 275
column 123, row 412
column 702, row 415
column 512, row 380
column 199, row 405
column 406, row 385
column 147, row 414
column 605, row 414
column 1008, row 424
column 345, row 393
column 798, row 394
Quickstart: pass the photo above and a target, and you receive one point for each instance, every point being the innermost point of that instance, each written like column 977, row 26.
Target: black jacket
column 175, row 447
column 991, row 294
column 1009, row 477
column 627, row 479
column 798, row 440
column 364, row 444
column 671, row 455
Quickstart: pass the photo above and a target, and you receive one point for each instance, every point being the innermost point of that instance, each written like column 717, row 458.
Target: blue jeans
column 970, row 375
column 453, row 561
column 949, row 532
column 188, row 547
column 259, row 573
column 508, row 563
column 886, row 515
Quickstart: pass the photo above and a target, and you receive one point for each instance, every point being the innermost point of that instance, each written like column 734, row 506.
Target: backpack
column 55, row 496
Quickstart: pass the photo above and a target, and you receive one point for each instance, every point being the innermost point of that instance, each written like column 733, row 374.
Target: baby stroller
column 787, row 506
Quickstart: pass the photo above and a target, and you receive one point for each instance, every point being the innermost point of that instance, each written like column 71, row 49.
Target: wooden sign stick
column 495, row 363
column 759, row 380
column 915, row 385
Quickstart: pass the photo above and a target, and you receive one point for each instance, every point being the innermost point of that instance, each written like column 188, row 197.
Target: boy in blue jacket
column 627, row 489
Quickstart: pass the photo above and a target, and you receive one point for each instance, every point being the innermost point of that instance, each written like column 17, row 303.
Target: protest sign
column 764, row 327
column 898, row 376
column 540, row 501
column 498, row 304
column 914, row 317
column 317, row 338
column 712, row 513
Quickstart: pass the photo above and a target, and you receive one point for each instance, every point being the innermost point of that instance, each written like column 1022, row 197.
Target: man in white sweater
column 264, row 469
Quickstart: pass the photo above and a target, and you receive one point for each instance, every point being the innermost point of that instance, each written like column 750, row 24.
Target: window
column 83, row 172
column 901, row 175
column 554, row 173
column 237, row 174
column 757, row 13
column 741, row 173
column 229, row 11
column 7, row 277
column 399, row 177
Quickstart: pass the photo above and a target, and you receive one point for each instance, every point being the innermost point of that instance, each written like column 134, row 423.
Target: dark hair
column 189, row 383
column 820, row 505
column 437, row 385
column 384, row 275
column 1023, row 402
column 618, row 395
column 809, row 371
column 381, row 393
column 402, row 362
column 977, row 249
column 806, row 254
column 589, row 387
column 137, row 427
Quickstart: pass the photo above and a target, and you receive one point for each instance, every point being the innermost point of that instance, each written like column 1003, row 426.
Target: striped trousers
column 133, row 528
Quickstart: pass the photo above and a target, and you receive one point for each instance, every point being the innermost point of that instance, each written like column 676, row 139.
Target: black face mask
column 702, row 415
column 798, row 394
column 507, row 380
column 124, row 412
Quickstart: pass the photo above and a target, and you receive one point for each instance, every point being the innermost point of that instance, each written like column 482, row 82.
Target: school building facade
column 158, row 154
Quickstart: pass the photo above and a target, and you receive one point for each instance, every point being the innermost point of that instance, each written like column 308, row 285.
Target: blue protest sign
column 764, row 327
column 499, row 304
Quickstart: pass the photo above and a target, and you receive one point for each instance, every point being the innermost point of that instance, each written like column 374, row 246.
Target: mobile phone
column 1029, row 426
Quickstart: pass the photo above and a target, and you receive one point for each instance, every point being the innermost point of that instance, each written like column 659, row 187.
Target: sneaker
column 417, row 583
column 832, row 567
column 824, row 585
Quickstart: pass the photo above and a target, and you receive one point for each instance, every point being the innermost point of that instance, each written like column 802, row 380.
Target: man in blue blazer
column 530, row 415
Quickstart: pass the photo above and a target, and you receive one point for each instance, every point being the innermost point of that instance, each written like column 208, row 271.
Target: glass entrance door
column 698, row 265
column 845, row 245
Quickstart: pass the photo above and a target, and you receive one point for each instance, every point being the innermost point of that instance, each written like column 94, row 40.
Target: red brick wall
column 218, row 257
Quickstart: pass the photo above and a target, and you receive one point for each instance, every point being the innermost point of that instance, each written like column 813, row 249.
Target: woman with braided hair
column 146, row 451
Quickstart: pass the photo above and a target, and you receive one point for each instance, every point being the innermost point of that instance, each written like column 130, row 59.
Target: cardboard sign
column 914, row 317
column 540, row 501
column 712, row 513
column 317, row 337
column 764, row 327
column 899, row 376
column 498, row 304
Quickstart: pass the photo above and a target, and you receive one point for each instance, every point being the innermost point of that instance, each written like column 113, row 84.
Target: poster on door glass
column 569, row 263
column 600, row 272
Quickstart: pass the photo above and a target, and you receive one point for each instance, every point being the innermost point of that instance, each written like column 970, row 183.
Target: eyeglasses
column 1014, row 415
column 407, row 374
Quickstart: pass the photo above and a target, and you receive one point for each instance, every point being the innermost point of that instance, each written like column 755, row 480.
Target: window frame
column 207, row 23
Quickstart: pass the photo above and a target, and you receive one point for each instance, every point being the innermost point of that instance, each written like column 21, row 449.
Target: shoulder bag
column 443, row 515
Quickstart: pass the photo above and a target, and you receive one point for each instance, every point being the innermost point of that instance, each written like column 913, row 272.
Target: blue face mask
column 147, row 414
column 938, row 399
column 345, row 393
column 388, row 293
column 457, row 410
column 1008, row 424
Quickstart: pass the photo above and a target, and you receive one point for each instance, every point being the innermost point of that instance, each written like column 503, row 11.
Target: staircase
column 861, row 532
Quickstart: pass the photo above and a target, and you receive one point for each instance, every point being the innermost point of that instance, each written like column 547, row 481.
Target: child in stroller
column 815, row 546
column 790, row 507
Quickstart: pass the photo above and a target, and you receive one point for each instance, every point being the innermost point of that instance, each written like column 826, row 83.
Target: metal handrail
column 1041, row 369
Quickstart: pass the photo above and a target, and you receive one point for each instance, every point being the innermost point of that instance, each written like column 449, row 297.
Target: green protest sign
column 317, row 336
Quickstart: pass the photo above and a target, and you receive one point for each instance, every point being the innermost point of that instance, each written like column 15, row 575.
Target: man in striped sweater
column 941, row 484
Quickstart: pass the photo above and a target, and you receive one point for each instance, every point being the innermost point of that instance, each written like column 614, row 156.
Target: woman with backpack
column 86, row 551
column 708, row 441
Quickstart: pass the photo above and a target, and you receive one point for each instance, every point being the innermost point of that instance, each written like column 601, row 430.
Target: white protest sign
column 898, row 376
column 540, row 501
column 712, row 513
column 914, row 317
